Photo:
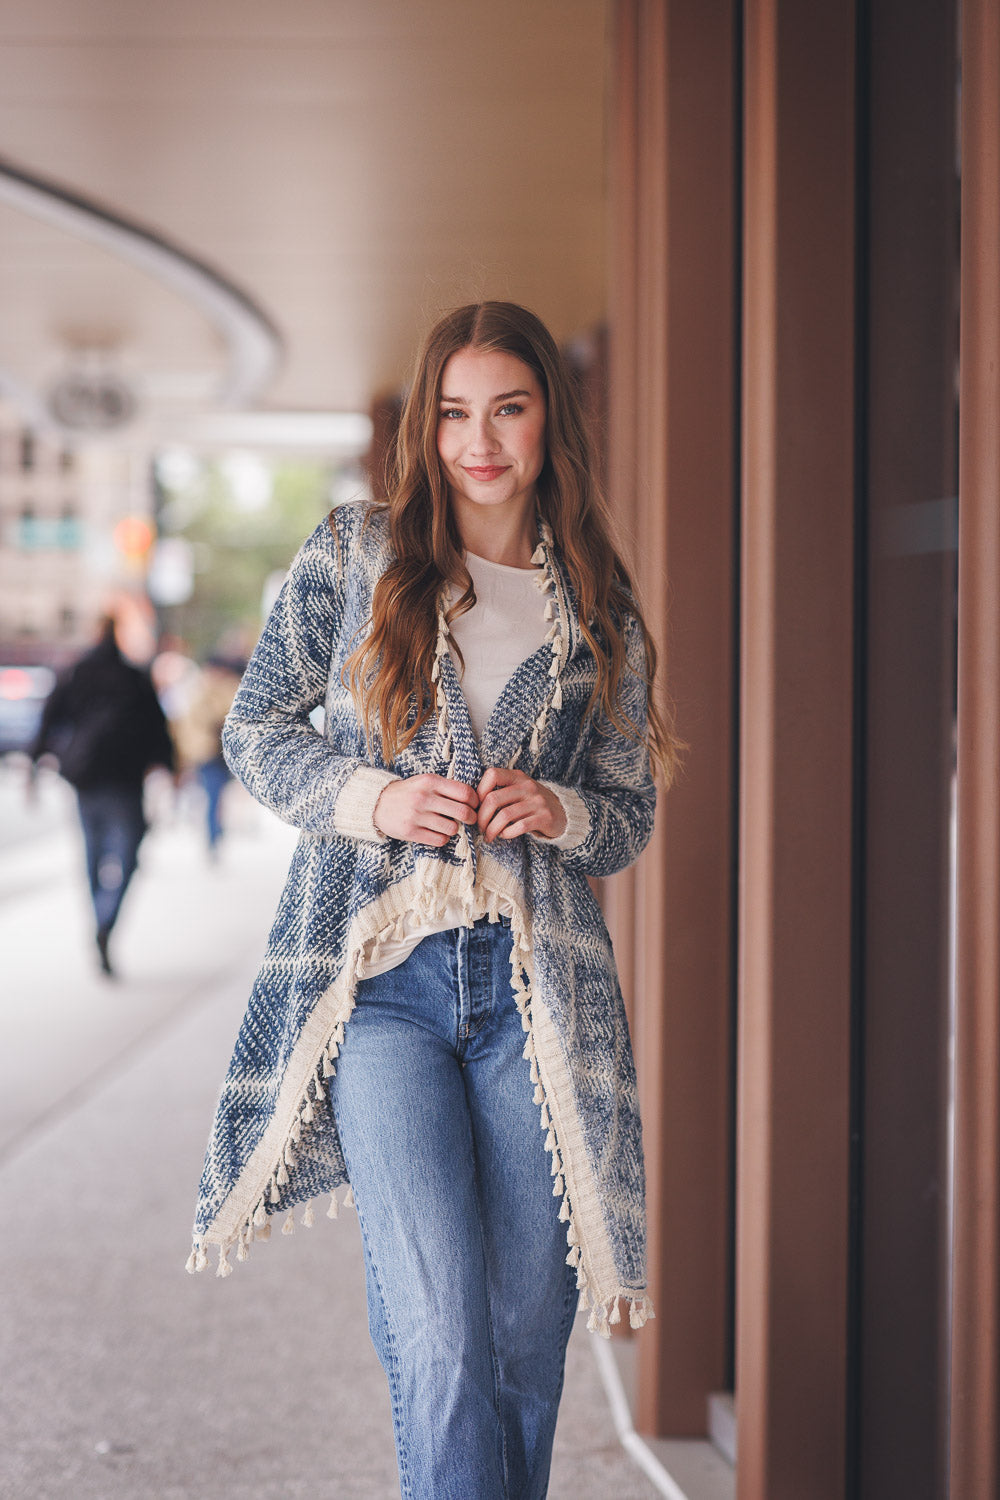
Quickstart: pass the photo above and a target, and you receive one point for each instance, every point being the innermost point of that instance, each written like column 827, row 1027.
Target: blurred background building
column 768, row 235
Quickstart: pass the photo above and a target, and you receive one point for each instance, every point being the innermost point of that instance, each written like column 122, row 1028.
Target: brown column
column 385, row 414
column 796, row 753
column 909, row 747
column 975, row 1430
column 672, row 467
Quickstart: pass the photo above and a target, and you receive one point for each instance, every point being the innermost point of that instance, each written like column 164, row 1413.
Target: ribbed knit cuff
column 577, row 817
column 355, row 806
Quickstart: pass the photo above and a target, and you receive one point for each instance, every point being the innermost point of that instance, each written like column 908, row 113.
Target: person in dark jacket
column 104, row 725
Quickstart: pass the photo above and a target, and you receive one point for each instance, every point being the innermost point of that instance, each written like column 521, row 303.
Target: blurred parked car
column 23, row 691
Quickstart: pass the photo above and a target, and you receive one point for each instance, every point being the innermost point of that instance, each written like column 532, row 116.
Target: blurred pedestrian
column 438, row 1020
column 103, row 724
column 197, row 733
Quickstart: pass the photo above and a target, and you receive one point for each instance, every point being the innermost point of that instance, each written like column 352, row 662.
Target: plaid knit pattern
column 274, row 1142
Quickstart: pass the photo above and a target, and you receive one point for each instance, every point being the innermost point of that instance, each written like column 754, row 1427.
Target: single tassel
column 334, row 1208
column 556, row 1164
column 554, row 669
column 274, row 1195
column 598, row 1321
column 319, row 1092
column 539, row 1095
column 308, row 1114
column 557, row 1186
column 564, row 1212
column 224, row 1268
column 309, row 1217
column 242, row 1252
column 281, row 1177
column 581, row 1284
column 616, row 1316
column 296, row 1131
column 545, row 1118
column 534, row 1075
column 289, row 1225
column 264, row 1232
column 538, row 556
column 525, row 1019
column 549, row 609
column 328, row 1068
column 289, row 1155
column 557, row 695
column 260, row 1215
column 637, row 1312
column 572, row 1257
column 349, row 1199
column 572, row 1238
column 534, row 740
column 191, row 1264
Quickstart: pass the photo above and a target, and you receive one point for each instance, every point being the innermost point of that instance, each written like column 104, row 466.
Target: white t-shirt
column 503, row 628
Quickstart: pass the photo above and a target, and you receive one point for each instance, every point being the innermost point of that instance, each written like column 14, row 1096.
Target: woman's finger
column 499, row 797
column 497, row 776
column 449, row 807
column 433, row 829
column 506, row 816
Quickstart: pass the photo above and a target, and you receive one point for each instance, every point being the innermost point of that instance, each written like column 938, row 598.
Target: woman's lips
column 493, row 471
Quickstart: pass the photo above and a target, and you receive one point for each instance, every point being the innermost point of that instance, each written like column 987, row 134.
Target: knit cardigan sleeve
column 616, row 791
column 268, row 739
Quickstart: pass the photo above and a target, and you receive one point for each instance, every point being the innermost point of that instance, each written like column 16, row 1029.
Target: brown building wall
column 805, row 155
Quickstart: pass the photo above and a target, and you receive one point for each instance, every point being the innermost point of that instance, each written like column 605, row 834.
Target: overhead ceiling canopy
column 353, row 168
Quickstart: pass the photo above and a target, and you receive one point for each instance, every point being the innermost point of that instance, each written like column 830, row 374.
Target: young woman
column 438, row 1020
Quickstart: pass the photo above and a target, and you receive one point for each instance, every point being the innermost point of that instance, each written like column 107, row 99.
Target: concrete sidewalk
column 123, row 1377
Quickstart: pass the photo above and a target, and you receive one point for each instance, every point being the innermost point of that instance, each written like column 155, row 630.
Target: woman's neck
column 499, row 538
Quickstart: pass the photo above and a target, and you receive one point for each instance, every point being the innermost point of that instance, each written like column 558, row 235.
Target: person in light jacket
column 437, row 1024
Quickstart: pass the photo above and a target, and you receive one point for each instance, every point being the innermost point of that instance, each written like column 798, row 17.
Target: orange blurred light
column 14, row 683
column 133, row 537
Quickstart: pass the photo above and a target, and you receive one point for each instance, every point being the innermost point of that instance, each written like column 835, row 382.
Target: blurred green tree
column 244, row 518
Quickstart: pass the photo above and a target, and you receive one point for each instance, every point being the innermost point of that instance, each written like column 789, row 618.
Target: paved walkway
column 125, row 1379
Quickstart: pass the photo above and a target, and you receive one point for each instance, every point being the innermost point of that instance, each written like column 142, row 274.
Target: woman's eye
column 451, row 411
column 511, row 409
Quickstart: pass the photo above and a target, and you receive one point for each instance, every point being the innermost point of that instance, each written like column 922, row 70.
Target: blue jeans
column 113, row 826
column 213, row 775
column 470, row 1299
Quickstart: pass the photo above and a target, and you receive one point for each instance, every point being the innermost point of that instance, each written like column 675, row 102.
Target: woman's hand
column 424, row 809
column 510, row 804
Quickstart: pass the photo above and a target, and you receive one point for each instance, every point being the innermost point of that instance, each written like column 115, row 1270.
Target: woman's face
column 491, row 430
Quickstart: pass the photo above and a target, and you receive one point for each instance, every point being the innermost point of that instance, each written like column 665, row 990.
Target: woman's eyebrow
column 504, row 396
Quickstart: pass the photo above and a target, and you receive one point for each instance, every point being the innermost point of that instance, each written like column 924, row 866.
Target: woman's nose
column 484, row 438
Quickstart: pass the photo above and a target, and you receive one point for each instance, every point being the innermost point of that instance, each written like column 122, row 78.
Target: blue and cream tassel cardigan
column 274, row 1143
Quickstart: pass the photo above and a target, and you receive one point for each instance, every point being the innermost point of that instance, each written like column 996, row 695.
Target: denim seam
column 494, row 1361
column 392, row 1374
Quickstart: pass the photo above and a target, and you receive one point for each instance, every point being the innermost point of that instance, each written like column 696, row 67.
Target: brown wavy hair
column 389, row 673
